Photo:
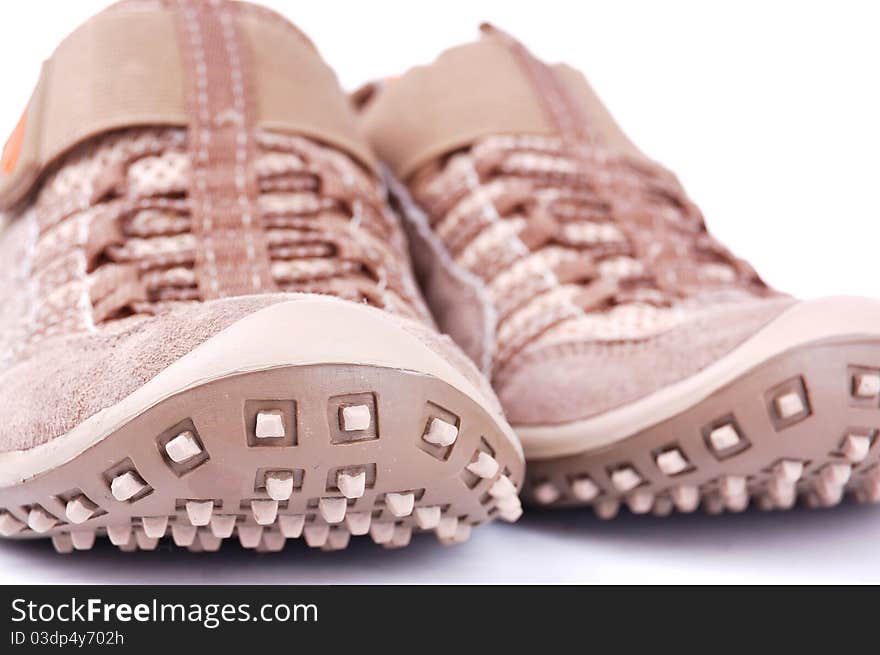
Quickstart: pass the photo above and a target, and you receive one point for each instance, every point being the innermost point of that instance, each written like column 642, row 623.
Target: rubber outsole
column 322, row 452
column 801, row 425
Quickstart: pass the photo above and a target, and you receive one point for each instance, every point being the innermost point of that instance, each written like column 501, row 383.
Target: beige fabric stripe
column 29, row 164
column 123, row 68
column 470, row 92
column 117, row 70
column 296, row 92
column 566, row 116
column 232, row 258
column 601, row 121
column 110, row 74
column 660, row 249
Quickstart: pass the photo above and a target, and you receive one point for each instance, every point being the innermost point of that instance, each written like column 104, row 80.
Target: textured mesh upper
column 570, row 267
column 108, row 236
column 587, row 247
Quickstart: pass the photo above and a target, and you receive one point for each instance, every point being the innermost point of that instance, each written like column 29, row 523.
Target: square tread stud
column 583, row 488
column 280, row 480
column 482, row 465
column 270, row 423
column 725, row 438
column 439, row 431
column 196, row 511
column 856, row 444
column 864, row 386
column 353, row 417
column 126, row 483
column 78, row 507
column 351, row 479
column 397, row 504
column 182, row 448
column 788, row 403
column 41, row 520
column 9, row 524
column 625, row 478
column 671, row 460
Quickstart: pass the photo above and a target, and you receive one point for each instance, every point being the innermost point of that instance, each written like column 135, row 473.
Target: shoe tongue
column 138, row 64
column 492, row 86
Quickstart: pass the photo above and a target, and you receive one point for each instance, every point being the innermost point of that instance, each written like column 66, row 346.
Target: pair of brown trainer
column 211, row 326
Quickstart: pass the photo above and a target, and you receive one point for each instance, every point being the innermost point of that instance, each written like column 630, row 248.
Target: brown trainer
column 209, row 326
column 638, row 360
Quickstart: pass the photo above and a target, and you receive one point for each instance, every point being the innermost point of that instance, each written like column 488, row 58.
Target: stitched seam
column 489, row 210
column 355, row 230
column 608, row 350
column 84, row 303
column 203, row 135
column 382, row 286
column 27, row 279
column 242, row 142
column 34, row 301
column 416, row 217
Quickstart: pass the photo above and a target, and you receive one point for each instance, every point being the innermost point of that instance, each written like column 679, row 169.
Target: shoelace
column 595, row 213
column 664, row 231
column 612, row 232
column 641, row 210
column 325, row 222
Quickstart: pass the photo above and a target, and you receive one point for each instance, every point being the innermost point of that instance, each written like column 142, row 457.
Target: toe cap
column 67, row 379
column 574, row 380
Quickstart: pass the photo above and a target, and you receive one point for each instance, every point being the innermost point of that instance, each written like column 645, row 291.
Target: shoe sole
column 771, row 424
column 320, row 451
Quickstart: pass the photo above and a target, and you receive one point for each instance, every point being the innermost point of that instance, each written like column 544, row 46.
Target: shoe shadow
column 362, row 562
column 835, row 544
column 559, row 546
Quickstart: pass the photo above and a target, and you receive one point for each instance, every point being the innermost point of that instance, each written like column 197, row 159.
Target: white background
column 770, row 114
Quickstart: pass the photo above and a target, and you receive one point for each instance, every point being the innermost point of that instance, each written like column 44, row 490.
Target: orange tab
column 12, row 149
